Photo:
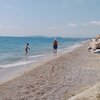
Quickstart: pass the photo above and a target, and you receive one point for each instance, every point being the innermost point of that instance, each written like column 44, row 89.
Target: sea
column 12, row 49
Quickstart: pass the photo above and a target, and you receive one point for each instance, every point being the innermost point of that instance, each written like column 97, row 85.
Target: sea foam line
column 16, row 64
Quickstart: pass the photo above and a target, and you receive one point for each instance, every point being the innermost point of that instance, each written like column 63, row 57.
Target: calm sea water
column 12, row 49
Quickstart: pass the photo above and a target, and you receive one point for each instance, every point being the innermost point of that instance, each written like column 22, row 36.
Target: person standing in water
column 27, row 48
column 55, row 46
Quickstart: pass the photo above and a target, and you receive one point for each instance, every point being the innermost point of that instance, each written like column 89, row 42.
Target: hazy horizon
column 53, row 18
column 45, row 36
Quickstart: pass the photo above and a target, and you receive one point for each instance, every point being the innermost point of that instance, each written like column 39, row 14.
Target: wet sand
column 58, row 79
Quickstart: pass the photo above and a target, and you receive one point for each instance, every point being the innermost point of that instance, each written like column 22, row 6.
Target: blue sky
column 70, row 18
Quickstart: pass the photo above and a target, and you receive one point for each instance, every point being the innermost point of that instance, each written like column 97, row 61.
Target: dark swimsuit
column 55, row 46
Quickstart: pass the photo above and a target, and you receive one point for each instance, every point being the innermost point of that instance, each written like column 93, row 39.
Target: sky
column 66, row 18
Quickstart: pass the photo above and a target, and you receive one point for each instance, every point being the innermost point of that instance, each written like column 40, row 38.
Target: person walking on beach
column 27, row 48
column 55, row 46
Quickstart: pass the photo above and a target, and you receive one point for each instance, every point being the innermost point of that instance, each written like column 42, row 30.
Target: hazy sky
column 72, row 18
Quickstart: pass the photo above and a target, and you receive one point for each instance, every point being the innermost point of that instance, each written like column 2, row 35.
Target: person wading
column 55, row 46
column 27, row 48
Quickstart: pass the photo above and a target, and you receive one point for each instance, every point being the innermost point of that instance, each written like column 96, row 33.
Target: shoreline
column 58, row 79
column 28, row 59
column 9, row 73
column 18, row 58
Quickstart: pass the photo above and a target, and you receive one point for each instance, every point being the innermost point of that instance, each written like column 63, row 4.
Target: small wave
column 76, row 45
column 70, row 48
column 16, row 64
column 35, row 56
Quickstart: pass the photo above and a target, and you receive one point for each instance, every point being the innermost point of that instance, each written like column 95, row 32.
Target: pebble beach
column 58, row 79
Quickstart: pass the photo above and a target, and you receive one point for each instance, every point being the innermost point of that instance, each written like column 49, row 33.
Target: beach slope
column 58, row 79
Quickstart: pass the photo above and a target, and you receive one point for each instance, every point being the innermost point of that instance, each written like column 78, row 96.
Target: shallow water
column 12, row 49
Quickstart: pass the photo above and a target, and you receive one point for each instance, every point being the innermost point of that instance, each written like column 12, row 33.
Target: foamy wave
column 70, row 48
column 35, row 56
column 16, row 64
column 76, row 45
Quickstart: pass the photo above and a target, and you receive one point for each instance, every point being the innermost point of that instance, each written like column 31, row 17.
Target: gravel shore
column 58, row 79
